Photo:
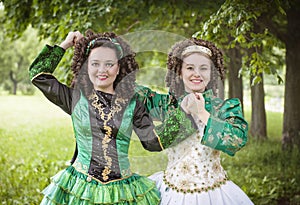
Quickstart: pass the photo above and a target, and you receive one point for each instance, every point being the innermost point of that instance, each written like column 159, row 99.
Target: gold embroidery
column 90, row 178
column 217, row 184
column 106, row 117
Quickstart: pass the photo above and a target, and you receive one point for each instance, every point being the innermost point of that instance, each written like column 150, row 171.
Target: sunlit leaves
column 52, row 18
column 238, row 23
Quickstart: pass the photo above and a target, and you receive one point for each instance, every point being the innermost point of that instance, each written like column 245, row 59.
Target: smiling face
column 196, row 72
column 103, row 68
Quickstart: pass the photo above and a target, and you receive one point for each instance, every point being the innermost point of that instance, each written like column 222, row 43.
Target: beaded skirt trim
column 217, row 184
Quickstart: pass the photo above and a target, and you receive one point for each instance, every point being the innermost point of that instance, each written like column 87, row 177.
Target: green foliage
column 244, row 24
column 265, row 173
column 53, row 20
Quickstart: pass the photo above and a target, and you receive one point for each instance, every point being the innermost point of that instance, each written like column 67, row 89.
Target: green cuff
column 219, row 135
column 46, row 61
column 175, row 129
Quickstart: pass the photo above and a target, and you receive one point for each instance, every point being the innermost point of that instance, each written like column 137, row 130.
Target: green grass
column 37, row 141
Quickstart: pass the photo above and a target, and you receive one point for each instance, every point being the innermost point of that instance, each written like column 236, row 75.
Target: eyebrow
column 96, row 60
column 191, row 64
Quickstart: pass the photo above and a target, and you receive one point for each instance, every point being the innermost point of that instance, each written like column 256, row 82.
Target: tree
column 54, row 19
column 281, row 21
column 15, row 59
column 291, row 39
column 279, row 25
column 235, row 79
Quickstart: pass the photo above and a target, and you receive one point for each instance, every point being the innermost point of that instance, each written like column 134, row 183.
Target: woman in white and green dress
column 194, row 174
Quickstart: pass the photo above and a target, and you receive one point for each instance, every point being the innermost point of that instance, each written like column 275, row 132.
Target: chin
column 198, row 90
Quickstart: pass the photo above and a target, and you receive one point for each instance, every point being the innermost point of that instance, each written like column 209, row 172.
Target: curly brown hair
column 174, row 64
column 124, row 83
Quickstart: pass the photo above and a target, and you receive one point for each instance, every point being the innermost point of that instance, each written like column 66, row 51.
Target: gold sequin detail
column 106, row 117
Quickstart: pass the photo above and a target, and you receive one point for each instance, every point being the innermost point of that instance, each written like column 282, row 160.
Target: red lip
column 102, row 77
column 196, row 81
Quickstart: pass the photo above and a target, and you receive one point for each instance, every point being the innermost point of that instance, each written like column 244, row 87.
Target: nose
column 197, row 71
column 102, row 68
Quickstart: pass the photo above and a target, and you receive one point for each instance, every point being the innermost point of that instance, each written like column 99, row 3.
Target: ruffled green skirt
column 71, row 187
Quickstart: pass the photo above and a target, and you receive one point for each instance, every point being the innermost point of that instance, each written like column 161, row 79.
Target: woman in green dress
column 105, row 110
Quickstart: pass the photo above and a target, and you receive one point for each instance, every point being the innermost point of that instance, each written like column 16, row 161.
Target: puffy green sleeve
column 175, row 125
column 226, row 128
column 156, row 104
column 175, row 128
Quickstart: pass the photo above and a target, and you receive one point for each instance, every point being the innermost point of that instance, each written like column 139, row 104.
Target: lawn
column 37, row 141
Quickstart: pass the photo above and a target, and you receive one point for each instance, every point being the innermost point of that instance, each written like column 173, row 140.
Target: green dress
column 103, row 124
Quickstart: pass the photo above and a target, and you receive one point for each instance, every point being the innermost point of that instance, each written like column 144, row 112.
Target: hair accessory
column 114, row 41
column 196, row 49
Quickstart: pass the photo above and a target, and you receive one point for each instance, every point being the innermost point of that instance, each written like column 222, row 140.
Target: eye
column 109, row 65
column 190, row 68
column 204, row 68
column 95, row 64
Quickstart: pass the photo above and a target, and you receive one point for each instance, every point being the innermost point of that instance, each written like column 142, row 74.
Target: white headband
column 196, row 49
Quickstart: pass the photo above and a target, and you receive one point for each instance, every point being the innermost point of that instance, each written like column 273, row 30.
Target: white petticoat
column 227, row 194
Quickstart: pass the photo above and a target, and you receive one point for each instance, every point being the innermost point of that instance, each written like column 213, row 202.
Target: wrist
column 204, row 116
column 65, row 45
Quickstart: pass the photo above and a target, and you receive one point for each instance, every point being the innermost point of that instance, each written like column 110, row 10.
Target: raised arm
column 41, row 71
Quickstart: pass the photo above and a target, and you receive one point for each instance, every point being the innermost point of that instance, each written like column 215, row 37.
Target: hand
column 194, row 104
column 71, row 39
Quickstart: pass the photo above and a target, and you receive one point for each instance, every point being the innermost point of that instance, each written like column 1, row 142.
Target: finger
column 197, row 96
column 201, row 97
column 77, row 37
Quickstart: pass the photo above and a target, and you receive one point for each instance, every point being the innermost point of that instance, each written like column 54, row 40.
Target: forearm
column 41, row 76
column 176, row 128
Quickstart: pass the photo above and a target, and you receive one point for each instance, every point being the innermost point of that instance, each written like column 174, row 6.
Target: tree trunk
column 235, row 84
column 258, row 127
column 291, row 117
column 14, row 81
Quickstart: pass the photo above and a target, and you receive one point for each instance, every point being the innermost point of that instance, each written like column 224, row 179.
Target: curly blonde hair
column 126, row 60
column 174, row 64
